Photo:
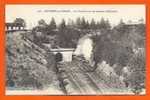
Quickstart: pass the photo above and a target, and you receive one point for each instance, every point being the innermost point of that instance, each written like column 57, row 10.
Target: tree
column 102, row 24
column 39, row 32
column 20, row 21
column 119, row 31
column 105, row 25
column 121, row 22
column 87, row 25
column 78, row 22
column 121, row 26
column 42, row 23
column 83, row 23
column 52, row 24
column 62, row 25
column 70, row 24
column 107, row 50
column 93, row 24
column 108, row 26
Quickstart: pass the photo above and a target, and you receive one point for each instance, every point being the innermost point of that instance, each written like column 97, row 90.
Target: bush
column 137, row 68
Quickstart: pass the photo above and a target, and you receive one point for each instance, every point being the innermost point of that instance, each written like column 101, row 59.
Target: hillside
column 27, row 64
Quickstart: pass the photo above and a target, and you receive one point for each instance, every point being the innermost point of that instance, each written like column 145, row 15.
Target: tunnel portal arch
column 58, row 57
column 63, row 54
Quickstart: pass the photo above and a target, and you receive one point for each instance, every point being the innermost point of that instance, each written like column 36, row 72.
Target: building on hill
column 133, row 24
column 11, row 27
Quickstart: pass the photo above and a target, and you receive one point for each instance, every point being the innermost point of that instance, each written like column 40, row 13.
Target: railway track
column 91, row 79
column 86, row 83
column 82, row 81
column 94, row 83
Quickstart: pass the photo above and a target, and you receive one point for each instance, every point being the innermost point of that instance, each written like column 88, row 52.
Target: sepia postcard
column 86, row 49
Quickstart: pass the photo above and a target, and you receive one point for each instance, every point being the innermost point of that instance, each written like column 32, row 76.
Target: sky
column 32, row 13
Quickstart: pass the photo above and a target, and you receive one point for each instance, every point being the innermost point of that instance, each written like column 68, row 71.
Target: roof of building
column 14, row 24
column 62, row 49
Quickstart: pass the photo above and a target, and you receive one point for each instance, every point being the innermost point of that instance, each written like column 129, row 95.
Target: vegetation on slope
column 26, row 63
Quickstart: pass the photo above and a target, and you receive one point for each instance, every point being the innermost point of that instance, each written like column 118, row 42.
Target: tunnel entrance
column 63, row 54
column 58, row 57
